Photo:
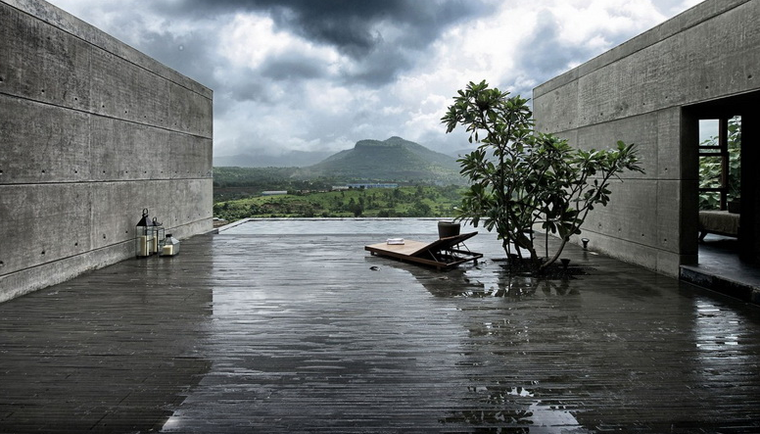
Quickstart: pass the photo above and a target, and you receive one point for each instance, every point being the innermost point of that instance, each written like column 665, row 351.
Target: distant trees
column 413, row 201
column 240, row 182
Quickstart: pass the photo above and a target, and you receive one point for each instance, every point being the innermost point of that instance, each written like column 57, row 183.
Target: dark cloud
column 292, row 66
column 354, row 28
column 379, row 68
column 245, row 88
column 348, row 24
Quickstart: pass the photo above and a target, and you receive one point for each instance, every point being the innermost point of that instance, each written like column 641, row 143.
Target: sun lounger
column 443, row 253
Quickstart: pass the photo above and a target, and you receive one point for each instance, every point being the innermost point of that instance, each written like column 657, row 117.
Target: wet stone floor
column 292, row 327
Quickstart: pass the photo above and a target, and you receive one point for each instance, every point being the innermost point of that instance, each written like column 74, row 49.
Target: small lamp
column 144, row 236
column 169, row 246
column 158, row 235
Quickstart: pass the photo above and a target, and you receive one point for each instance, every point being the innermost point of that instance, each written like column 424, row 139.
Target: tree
column 520, row 178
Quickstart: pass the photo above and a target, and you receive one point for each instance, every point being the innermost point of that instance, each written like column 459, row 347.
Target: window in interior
column 719, row 163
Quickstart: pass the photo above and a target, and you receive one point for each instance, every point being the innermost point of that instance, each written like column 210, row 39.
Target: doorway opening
column 720, row 138
column 720, row 145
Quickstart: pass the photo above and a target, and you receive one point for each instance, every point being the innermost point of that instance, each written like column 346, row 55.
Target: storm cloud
column 323, row 74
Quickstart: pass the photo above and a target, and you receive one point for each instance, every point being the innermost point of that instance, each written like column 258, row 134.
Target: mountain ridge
column 393, row 159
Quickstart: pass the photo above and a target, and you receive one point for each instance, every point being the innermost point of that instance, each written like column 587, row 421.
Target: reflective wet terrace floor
column 285, row 327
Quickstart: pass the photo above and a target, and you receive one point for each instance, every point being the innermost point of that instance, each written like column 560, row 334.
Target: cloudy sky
column 323, row 74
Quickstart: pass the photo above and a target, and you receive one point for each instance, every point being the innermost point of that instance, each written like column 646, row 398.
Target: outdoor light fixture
column 585, row 243
column 144, row 236
column 158, row 236
column 169, row 246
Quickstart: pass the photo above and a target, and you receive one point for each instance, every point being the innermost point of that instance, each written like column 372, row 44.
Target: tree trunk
column 556, row 255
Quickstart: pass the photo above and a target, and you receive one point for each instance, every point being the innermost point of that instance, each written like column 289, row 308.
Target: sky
column 306, row 75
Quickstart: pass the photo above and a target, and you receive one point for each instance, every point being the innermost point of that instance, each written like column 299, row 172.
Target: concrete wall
column 91, row 132
column 639, row 93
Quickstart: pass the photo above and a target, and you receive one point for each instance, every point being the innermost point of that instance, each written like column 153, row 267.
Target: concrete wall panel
column 633, row 253
column 42, row 63
column 558, row 109
column 190, row 113
column 122, row 150
column 43, row 223
column 51, row 273
column 668, row 216
column 92, row 132
column 640, row 130
column 626, row 217
column 41, row 143
column 174, row 202
column 125, row 91
column 672, row 161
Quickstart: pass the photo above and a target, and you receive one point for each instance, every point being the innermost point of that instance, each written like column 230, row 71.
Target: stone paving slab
column 261, row 330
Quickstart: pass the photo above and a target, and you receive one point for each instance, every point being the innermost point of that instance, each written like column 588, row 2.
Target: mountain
column 289, row 159
column 391, row 160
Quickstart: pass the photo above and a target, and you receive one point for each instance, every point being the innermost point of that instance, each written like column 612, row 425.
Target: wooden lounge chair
column 442, row 254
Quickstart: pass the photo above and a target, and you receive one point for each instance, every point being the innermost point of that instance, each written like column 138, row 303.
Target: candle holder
column 169, row 246
column 144, row 236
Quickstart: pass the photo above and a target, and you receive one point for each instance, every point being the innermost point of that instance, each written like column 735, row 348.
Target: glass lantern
column 158, row 235
column 144, row 236
column 169, row 246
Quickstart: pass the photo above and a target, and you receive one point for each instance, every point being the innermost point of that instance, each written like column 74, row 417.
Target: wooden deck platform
column 254, row 331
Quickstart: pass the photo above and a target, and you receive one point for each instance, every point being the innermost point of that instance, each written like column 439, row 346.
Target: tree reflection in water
column 477, row 283
column 491, row 405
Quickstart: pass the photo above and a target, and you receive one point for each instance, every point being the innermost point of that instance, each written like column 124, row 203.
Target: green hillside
column 391, row 160
column 419, row 201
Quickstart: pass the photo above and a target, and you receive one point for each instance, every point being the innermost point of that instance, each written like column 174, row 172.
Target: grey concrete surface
column 284, row 326
column 92, row 132
column 640, row 92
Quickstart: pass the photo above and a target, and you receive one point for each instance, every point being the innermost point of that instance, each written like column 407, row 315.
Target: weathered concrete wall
column 637, row 93
column 91, row 132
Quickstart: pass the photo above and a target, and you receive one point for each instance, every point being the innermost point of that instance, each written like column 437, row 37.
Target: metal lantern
column 169, row 246
column 144, row 236
column 158, row 235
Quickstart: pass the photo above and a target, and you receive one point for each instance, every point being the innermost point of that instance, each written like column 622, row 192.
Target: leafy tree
column 520, row 178
column 419, row 209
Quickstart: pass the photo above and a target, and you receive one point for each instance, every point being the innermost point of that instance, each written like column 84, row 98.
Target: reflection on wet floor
column 495, row 282
column 265, row 331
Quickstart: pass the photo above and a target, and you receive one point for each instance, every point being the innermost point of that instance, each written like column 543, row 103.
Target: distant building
column 274, row 193
column 350, row 186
